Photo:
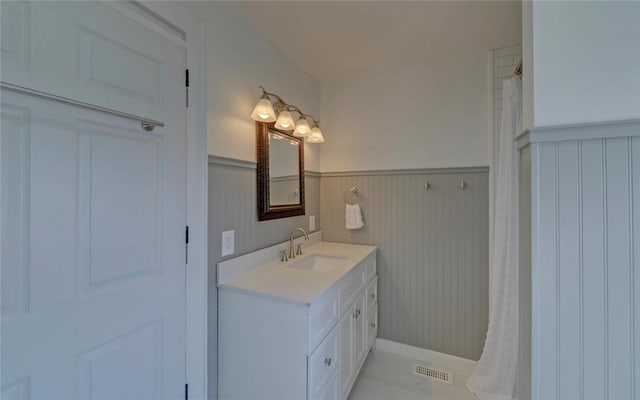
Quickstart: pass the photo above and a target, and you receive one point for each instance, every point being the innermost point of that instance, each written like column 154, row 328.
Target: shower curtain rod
column 518, row 70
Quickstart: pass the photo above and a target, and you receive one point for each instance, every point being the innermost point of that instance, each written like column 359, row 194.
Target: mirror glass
column 280, row 173
column 284, row 177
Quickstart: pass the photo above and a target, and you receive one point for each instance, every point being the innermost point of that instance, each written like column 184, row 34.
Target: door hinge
column 186, row 244
column 186, row 391
column 186, row 84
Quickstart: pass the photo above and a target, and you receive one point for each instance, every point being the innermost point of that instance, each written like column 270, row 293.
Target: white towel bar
column 146, row 123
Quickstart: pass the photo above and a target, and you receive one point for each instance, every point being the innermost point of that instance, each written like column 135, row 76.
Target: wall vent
column 435, row 374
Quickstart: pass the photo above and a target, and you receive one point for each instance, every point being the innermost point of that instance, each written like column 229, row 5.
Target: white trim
column 231, row 162
column 238, row 163
column 429, row 356
column 582, row 131
column 196, row 196
column 417, row 171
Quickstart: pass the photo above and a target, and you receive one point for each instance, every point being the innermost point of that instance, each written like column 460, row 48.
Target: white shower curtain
column 495, row 375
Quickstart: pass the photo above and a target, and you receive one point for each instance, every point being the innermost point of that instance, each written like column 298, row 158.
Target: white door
column 92, row 209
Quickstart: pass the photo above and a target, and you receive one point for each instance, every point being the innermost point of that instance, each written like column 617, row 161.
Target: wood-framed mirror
column 280, row 173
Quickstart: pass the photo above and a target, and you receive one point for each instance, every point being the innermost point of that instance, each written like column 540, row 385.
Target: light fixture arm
column 286, row 106
column 273, row 108
column 278, row 98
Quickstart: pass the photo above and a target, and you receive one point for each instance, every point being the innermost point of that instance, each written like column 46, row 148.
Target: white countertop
column 276, row 279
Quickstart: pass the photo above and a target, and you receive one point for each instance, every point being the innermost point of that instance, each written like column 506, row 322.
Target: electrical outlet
column 312, row 223
column 228, row 239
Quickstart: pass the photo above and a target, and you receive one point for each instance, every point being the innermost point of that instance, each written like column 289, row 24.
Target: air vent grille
column 432, row 373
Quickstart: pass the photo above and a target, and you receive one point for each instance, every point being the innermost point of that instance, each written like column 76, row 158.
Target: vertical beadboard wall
column 433, row 251
column 585, row 202
column 233, row 206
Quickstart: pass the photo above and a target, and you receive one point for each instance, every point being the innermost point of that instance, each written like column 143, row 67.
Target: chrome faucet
column 306, row 237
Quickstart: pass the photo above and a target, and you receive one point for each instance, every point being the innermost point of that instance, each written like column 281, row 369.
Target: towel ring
column 351, row 197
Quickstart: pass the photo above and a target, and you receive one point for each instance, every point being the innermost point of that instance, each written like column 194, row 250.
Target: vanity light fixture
column 302, row 127
column 316, row 134
column 263, row 111
column 280, row 112
column 285, row 121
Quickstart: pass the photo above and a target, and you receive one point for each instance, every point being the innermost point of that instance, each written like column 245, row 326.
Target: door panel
column 92, row 210
column 86, row 51
column 135, row 251
column 14, row 158
column 102, row 378
column 15, row 43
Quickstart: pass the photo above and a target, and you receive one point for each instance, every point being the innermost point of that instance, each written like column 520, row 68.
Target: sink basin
column 318, row 263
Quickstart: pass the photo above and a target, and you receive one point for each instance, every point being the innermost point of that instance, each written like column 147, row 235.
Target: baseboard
column 429, row 356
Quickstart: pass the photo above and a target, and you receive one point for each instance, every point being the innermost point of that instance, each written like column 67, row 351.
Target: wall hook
column 426, row 185
column 462, row 184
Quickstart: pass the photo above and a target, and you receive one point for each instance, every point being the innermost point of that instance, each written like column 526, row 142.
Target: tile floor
column 388, row 376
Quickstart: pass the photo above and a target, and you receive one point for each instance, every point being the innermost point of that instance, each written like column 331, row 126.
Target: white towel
column 353, row 216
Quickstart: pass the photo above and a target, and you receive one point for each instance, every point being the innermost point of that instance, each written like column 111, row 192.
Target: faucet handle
column 299, row 249
column 283, row 255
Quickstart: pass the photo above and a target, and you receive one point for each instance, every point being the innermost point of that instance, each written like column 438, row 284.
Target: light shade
column 302, row 127
column 285, row 121
column 316, row 135
column 264, row 110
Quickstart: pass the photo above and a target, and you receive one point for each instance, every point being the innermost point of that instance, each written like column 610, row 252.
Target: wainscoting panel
column 233, row 206
column 585, row 195
column 433, row 251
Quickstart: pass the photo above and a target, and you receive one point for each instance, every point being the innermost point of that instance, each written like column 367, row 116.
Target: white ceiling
column 335, row 40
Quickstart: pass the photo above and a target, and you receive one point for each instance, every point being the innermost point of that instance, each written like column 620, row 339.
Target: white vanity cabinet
column 358, row 328
column 352, row 328
column 274, row 347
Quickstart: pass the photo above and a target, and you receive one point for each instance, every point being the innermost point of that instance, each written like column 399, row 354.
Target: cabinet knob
column 373, row 324
column 327, row 361
column 373, row 295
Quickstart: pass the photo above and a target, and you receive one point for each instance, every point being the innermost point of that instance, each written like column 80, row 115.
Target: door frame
column 178, row 23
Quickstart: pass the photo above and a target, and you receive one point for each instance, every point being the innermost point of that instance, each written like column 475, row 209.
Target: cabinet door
column 360, row 331
column 331, row 391
column 372, row 327
column 346, row 351
column 372, row 295
column 322, row 364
